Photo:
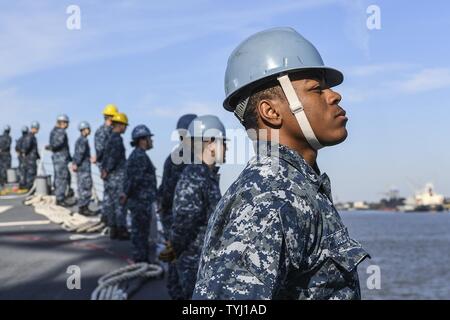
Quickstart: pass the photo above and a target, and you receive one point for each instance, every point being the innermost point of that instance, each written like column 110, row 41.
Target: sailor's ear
column 269, row 111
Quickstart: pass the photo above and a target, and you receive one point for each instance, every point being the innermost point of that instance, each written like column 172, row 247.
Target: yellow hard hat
column 110, row 110
column 120, row 118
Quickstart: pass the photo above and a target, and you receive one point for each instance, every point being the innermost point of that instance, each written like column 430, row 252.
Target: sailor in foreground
column 140, row 191
column 276, row 234
column 196, row 196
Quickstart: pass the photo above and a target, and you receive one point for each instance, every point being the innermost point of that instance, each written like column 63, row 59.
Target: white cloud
column 33, row 36
column 425, row 80
column 376, row 69
column 402, row 81
column 355, row 27
column 16, row 108
column 149, row 106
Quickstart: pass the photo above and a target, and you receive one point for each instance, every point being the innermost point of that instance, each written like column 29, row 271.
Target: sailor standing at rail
column 5, row 154
column 101, row 138
column 114, row 175
column 20, row 158
column 173, row 167
column 140, row 192
column 196, row 196
column 59, row 146
column 81, row 164
column 30, row 154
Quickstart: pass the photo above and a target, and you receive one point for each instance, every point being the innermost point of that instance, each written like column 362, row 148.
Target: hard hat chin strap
column 298, row 111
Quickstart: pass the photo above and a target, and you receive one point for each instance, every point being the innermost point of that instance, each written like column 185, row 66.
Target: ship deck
column 35, row 255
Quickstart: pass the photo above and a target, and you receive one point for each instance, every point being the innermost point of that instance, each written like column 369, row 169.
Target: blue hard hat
column 185, row 121
column 140, row 131
column 7, row 128
column 24, row 129
column 35, row 125
column 270, row 53
column 63, row 117
column 207, row 126
column 84, row 125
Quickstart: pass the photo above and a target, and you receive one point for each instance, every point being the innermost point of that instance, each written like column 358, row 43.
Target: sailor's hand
column 168, row 254
column 94, row 160
column 104, row 174
column 74, row 167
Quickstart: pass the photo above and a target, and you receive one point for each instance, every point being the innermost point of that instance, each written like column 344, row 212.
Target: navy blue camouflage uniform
column 196, row 196
column 5, row 156
column 171, row 175
column 114, row 163
column 59, row 145
column 30, row 154
column 82, row 159
column 21, row 162
column 140, row 189
column 101, row 138
column 276, row 234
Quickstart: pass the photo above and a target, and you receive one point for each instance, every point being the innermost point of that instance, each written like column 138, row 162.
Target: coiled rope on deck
column 46, row 206
column 109, row 285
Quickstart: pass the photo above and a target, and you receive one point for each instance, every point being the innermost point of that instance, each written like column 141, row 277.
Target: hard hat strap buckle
column 297, row 109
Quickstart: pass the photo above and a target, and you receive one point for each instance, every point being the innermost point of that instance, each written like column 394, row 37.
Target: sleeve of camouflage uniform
column 2, row 143
column 188, row 204
column 8, row 143
column 110, row 159
column 80, row 151
column 99, row 144
column 57, row 139
column 18, row 142
column 252, row 256
column 26, row 145
column 163, row 194
column 135, row 173
column 37, row 149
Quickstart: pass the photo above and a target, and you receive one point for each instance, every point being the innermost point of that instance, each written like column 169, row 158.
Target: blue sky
column 159, row 59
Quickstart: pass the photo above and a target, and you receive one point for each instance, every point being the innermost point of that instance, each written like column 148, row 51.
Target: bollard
column 11, row 175
column 42, row 185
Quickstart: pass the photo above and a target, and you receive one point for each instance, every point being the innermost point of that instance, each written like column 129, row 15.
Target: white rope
column 108, row 285
column 46, row 206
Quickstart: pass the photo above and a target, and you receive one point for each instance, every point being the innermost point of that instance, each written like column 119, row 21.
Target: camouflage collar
column 321, row 182
column 213, row 172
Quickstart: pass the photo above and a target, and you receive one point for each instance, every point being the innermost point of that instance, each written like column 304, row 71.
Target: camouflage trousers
column 61, row 179
column 166, row 221
column 105, row 197
column 84, row 184
column 187, row 267
column 4, row 166
column 29, row 172
column 21, row 171
column 173, row 282
column 141, row 215
column 114, row 211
